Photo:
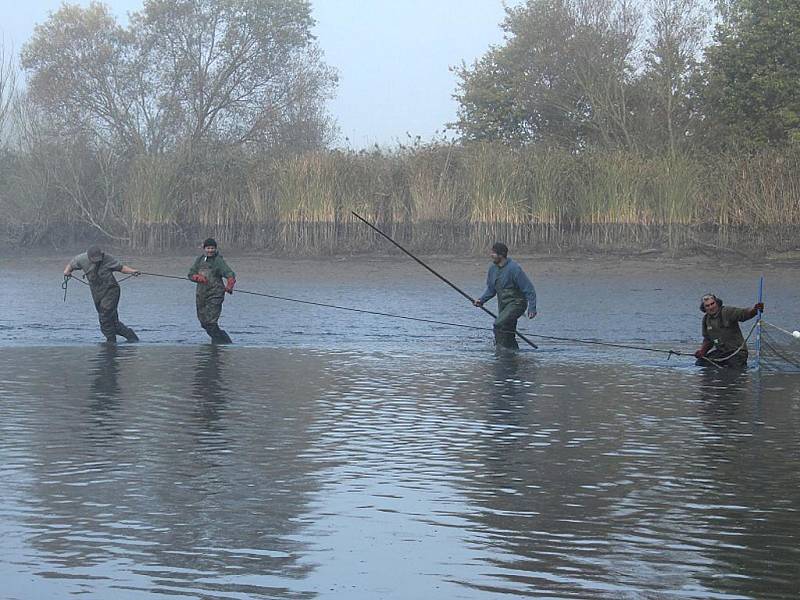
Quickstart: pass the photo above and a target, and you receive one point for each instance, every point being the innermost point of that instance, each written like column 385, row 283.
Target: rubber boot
column 218, row 336
column 506, row 340
column 126, row 332
column 222, row 337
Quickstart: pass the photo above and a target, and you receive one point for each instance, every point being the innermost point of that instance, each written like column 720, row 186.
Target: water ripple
column 151, row 471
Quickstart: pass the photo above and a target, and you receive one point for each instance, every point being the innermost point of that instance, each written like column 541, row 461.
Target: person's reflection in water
column 542, row 460
column 209, row 385
column 104, row 389
column 722, row 395
column 508, row 393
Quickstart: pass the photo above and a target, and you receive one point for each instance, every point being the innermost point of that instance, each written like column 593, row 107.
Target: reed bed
column 432, row 197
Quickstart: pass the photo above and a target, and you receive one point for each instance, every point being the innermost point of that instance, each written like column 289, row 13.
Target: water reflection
column 104, row 367
column 208, row 385
column 234, row 472
column 543, row 459
column 165, row 488
column 723, row 395
column 742, row 500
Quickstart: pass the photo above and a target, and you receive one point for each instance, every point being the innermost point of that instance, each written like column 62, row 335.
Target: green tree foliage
column 752, row 74
column 562, row 76
column 183, row 72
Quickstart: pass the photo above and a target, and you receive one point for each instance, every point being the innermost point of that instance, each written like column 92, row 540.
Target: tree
column 671, row 60
column 184, row 72
column 80, row 67
column 562, row 76
column 8, row 85
column 751, row 74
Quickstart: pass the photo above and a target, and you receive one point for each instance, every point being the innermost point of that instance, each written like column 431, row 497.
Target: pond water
column 329, row 454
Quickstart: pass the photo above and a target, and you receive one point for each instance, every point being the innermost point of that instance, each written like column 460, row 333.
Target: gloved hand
column 229, row 285
column 702, row 350
column 758, row 306
column 136, row 273
column 477, row 303
column 198, row 278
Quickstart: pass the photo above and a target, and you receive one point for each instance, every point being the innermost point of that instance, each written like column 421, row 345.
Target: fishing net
column 779, row 348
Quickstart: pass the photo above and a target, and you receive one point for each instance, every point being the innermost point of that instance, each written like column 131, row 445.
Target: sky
column 393, row 57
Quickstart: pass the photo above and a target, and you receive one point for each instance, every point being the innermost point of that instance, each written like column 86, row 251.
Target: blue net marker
column 758, row 323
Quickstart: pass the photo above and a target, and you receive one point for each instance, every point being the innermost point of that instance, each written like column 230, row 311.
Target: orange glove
column 230, row 284
column 198, row 278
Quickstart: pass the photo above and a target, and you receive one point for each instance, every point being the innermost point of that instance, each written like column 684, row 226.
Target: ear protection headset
column 709, row 296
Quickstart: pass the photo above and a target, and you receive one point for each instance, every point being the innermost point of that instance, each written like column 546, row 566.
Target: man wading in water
column 98, row 268
column 514, row 291
column 207, row 272
column 723, row 343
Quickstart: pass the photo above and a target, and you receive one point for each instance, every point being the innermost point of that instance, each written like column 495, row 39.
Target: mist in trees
column 647, row 76
column 209, row 115
column 119, row 125
column 234, row 72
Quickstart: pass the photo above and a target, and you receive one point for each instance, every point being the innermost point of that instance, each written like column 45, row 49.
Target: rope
column 68, row 277
column 717, row 361
column 66, row 280
column 778, row 328
column 669, row 353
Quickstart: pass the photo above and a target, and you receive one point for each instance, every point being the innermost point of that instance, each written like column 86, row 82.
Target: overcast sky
column 392, row 56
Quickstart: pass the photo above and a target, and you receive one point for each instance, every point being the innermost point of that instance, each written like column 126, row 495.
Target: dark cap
column 95, row 254
column 210, row 242
column 500, row 249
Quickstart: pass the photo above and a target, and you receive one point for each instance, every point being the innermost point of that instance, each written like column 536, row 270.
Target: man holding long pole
column 514, row 292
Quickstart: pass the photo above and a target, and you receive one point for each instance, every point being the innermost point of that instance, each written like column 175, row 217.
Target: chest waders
column 209, row 298
column 106, row 300
column 727, row 338
column 511, row 305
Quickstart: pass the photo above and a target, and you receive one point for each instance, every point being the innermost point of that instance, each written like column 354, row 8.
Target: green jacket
column 214, row 269
column 723, row 331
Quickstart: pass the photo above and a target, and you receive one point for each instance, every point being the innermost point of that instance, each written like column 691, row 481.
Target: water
column 334, row 455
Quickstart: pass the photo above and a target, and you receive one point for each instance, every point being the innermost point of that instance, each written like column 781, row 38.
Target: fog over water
column 329, row 454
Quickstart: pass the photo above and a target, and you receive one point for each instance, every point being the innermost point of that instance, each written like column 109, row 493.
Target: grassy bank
column 435, row 198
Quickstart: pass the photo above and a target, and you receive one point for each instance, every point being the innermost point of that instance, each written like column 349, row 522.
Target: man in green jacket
column 207, row 272
column 98, row 268
column 723, row 342
column 514, row 292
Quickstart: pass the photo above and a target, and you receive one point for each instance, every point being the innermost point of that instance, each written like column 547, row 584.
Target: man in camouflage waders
column 98, row 268
column 207, row 272
column 723, row 342
column 514, row 292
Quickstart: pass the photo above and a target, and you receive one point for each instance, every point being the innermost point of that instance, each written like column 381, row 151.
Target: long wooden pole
column 447, row 281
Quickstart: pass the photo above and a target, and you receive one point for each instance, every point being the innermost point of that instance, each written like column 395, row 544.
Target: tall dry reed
column 433, row 197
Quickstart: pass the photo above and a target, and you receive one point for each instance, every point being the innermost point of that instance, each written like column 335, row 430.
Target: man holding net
column 723, row 342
